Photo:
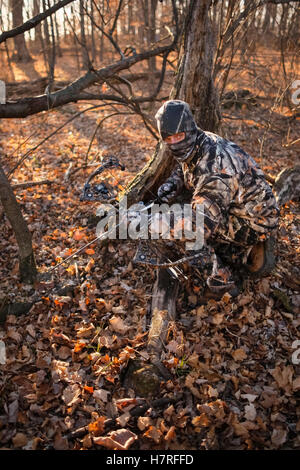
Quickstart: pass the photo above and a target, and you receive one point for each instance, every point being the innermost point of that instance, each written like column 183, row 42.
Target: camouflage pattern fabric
column 239, row 205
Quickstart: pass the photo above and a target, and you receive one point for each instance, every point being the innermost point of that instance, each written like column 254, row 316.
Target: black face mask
column 182, row 150
column 173, row 117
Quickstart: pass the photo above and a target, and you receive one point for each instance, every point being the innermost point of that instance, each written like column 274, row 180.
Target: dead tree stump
column 163, row 310
column 145, row 377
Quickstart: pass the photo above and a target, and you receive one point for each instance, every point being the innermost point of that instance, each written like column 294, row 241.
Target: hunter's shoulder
column 221, row 143
column 224, row 155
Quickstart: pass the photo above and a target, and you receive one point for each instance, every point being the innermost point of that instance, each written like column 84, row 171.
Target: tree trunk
column 130, row 28
column 38, row 28
column 152, row 32
column 52, row 55
column 194, row 85
column 59, row 51
column 94, row 48
column 12, row 210
column 21, row 53
column 101, row 54
column 47, row 39
column 84, row 51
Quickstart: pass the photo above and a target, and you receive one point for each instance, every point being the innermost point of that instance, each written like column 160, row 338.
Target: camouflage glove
column 167, row 191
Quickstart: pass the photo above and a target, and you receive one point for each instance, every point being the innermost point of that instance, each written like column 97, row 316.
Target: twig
column 32, row 183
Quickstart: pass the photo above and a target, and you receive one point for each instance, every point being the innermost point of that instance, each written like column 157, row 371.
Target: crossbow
column 148, row 253
column 103, row 191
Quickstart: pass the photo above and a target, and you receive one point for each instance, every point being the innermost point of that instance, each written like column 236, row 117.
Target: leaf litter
column 234, row 383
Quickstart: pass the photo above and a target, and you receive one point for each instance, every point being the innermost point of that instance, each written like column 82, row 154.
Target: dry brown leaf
column 19, row 440
column 239, row 355
column 123, row 419
column 283, row 376
column 43, row 360
column 30, row 329
column 126, row 403
column 202, row 420
column 119, row 310
column 97, row 427
column 278, row 437
column 249, row 396
column 201, row 311
column 174, row 347
column 245, row 299
column 101, row 394
column 13, row 409
column 171, row 434
column 296, row 384
column 154, row 434
column 60, row 443
column 240, row 429
column 189, row 383
column 117, row 324
column 2, row 353
column 60, row 370
column 121, row 439
column 85, row 331
column 13, row 334
column 250, row 412
column 144, row 422
column 87, row 442
column 212, row 392
column 218, row 318
column 64, row 352
column 71, row 394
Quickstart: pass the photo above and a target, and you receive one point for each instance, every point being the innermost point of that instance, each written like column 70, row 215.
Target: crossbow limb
column 103, row 191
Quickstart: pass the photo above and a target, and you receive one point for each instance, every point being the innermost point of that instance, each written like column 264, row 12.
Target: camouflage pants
column 223, row 254
column 226, row 253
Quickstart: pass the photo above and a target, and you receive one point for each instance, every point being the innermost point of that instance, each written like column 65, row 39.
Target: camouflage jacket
column 228, row 182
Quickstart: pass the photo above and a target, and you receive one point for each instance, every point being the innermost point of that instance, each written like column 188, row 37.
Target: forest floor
column 235, row 374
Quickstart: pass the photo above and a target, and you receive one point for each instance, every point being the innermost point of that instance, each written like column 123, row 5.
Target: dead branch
column 71, row 93
column 29, row 184
column 33, row 22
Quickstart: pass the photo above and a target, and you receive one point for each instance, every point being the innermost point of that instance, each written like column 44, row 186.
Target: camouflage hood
column 173, row 117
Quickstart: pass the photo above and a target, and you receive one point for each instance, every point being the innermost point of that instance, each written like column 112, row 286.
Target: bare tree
column 21, row 53
column 84, row 50
column 27, row 266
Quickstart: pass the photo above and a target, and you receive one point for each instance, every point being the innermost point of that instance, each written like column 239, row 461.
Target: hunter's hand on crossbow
column 167, row 191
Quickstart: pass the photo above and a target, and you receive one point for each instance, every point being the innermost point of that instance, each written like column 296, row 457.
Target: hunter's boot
column 261, row 260
column 220, row 282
